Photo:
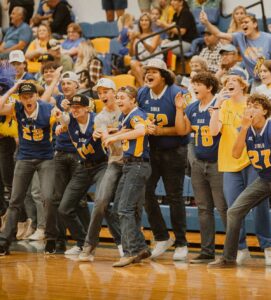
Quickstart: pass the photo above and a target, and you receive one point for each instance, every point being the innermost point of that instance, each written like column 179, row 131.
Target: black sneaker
column 50, row 247
column 143, row 254
column 202, row 259
column 60, row 247
column 4, row 250
column 222, row 262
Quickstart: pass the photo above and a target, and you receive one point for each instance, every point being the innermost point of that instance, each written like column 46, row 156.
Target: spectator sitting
column 61, row 17
column 211, row 51
column 145, row 48
column 125, row 26
column 28, row 5
column 229, row 60
column 37, row 47
column 70, row 45
column 156, row 14
column 167, row 11
column 64, row 60
column 47, row 71
column 17, row 60
column 265, row 75
column 198, row 64
column 238, row 13
column 18, row 36
column 185, row 20
column 87, row 61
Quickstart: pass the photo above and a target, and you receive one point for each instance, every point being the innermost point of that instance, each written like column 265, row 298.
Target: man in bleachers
column 61, row 16
column 212, row 51
column 229, row 61
column 64, row 60
column 254, row 45
column 18, row 36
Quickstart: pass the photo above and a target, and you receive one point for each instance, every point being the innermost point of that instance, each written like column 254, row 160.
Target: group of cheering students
column 138, row 137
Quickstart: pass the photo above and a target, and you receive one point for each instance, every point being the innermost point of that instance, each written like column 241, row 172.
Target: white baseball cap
column 69, row 76
column 156, row 63
column 106, row 83
column 16, row 55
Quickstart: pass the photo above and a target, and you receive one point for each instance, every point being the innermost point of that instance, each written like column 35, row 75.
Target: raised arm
column 46, row 96
column 182, row 124
column 213, row 29
column 240, row 142
column 7, row 108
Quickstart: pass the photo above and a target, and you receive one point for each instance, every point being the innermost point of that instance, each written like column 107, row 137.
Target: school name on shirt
column 155, row 109
column 81, row 140
column 259, row 146
column 200, row 121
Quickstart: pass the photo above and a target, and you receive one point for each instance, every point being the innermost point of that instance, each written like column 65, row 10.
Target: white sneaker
column 242, row 256
column 161, row 247
column 75, row 250
column 87, row 254
column 180, row 253
column 120, row 250
column 267, row 255
column 38, row 235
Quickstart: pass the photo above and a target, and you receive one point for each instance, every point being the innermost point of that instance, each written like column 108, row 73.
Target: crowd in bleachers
column 103, row 104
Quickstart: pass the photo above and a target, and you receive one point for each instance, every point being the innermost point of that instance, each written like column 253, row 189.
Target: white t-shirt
column 263, row 89
column 106, row 120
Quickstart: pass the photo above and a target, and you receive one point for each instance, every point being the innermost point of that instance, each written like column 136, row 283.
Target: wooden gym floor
column 28, row 274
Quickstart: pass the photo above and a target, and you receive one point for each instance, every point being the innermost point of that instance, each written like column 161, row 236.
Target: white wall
column 91, row 10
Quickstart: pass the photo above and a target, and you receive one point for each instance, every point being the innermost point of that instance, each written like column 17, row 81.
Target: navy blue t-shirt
column 163, row 111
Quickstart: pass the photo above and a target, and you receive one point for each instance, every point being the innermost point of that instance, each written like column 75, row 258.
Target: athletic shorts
column 146, row 5
column 114, row 4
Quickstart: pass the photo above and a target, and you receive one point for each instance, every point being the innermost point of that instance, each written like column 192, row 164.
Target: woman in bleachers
column 265, row 76
column 87, row 61
column 144, row 48
column 238, row 13
column 37, row 47
column 74, row 38
column 185, row 20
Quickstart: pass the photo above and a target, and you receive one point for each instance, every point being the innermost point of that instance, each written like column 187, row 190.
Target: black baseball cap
column 27, row 88
column 79, row 99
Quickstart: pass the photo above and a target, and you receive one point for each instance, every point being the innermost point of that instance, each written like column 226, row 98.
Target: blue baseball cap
column 238, row 72
column 228, row 48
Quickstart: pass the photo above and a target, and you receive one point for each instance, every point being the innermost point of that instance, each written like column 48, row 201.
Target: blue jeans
column 65, row 166
column 170, row 164
column 103, row 197
column 234, row 184
column 252, row 196
column 129, row 202
column 23, row 174
column 207, row 185
column 77, row 187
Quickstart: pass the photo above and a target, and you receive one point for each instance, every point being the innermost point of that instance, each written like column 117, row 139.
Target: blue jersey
column 87, row 148
column 259, row 148
column 138, row 147
column 206, row 146
column 35, row 134
column 63, row 141
column 163, row 111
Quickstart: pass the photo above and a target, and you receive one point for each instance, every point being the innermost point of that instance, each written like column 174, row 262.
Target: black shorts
column 114, row 4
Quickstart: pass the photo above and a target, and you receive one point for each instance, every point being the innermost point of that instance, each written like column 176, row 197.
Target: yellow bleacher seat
column 101, row 45
column 123, row 80
column 98, row 105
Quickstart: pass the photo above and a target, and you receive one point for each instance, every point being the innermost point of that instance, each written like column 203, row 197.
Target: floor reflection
column 29, row 274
